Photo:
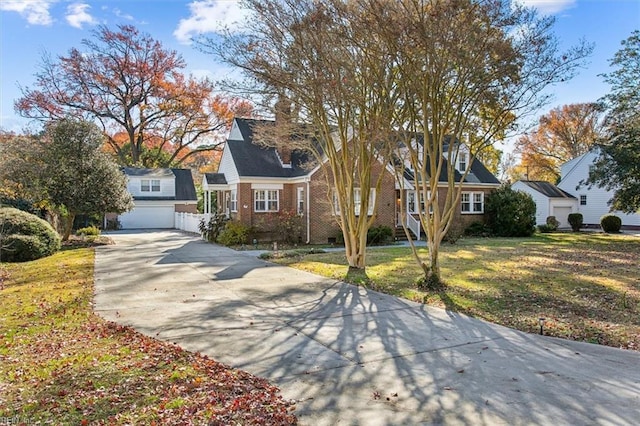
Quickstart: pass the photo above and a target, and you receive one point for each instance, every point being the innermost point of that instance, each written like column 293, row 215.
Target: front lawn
column 61, row 364
column 585, row 285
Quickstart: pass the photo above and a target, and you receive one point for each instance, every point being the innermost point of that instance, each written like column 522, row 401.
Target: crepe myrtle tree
column 330, row 84
column 467, row 71
column 372, row 77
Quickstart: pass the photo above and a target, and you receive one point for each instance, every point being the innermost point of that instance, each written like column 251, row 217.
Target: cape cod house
column 254, row 181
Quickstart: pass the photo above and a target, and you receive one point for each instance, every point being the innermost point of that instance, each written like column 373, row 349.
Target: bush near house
column 575, row 220
column 88, row 231
column 234, row 233
column 510, row 213
column 24, row 236
column 610, row 223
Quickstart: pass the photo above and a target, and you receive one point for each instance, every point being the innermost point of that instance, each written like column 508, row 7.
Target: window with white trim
column 412, row 206
column 152, row 185
column 266, row 200
column 300, row 201
column 472, row 202
column 233, row 201
column 462, row 161
column 583, row 200
column 356, row 201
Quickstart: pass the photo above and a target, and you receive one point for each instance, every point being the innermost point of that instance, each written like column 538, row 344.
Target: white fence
column 189, row 221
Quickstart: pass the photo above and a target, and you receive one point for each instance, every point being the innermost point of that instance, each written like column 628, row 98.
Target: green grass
column 586, row 285
column 61, row 364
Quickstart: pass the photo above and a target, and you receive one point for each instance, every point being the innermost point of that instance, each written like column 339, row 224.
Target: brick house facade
column 253, row 185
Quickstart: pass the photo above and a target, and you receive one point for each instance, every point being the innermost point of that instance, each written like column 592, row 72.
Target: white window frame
column 233, row 200
column 471, row 199
column 356, row 201
column 414, row 209
column 463, row 160
column 270, row 198
column 583, row 199
column 145, row 185
column 300, row 200
column 155, row 185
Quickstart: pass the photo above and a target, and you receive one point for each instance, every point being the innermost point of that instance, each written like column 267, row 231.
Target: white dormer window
column 150, row 185
column 462, row 161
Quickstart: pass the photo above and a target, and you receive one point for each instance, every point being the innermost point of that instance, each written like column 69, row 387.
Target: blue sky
column 28, row 28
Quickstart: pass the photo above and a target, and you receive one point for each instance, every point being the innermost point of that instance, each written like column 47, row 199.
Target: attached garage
column 562, row 215
column 148, row 217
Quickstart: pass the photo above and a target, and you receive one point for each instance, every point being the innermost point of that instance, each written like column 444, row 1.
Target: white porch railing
column 189, row 221
column 414, row 225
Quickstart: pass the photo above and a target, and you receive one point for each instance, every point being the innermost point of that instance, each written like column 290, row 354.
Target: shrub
column 234, row 233
column 576, row 221
column 510, row 213
column 379, row 234
column 211, row 230
column 89, row 230
column 553, row 223
column 477, row 229
column 546, row 228
column 25, row 237
column 610, row 223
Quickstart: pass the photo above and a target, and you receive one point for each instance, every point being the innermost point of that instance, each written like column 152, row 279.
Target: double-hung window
column 357, row 201
column 266, row 200
column 300, row 201
column 472, row 202
column 233, row 202
column 150, row 185
column 412, row 202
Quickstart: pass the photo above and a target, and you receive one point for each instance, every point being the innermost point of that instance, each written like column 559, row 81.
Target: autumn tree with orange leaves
column 132, row 86
column 562, row 134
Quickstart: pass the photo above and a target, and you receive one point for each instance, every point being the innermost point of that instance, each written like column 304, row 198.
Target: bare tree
column 325, row 69
column 467, row 70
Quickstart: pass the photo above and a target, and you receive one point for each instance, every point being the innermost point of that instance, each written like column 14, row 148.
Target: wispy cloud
column 209, row 16
column 78, row 15
column 122, row 15
column 549, row 7
column 36, row 12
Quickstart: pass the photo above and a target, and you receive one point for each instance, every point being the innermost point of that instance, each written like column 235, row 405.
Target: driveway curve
column 352, row 356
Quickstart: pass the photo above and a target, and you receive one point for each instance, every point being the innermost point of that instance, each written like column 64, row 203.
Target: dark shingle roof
column 185, row 189
column 141, row 172
column 216, row 178
column 260, row 161
column 546, row 188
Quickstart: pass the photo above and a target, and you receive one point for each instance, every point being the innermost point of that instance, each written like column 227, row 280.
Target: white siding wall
column 234, row 133
column 542, row 201
column 577, row 170
column 228, row 167
column 167, row 187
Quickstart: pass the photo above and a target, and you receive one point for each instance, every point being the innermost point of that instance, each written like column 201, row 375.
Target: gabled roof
column 260, row 161
column 546, row 188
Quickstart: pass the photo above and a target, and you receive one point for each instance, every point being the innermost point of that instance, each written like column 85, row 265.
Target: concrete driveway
column 352, row 356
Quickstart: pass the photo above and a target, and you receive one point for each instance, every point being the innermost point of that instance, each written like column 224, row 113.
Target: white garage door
column 562, row 215
column 147, row 217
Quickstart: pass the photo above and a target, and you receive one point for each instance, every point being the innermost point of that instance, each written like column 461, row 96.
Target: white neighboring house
column 157, row 195
column 550, row 201
column 592, row 202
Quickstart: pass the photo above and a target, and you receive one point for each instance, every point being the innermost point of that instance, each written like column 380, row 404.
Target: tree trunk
column 67, row 223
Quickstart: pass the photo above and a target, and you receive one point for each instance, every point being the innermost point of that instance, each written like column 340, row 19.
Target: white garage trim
column 149, row 215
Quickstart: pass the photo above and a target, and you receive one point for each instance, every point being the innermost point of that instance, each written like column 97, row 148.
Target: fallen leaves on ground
column 61, row 364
